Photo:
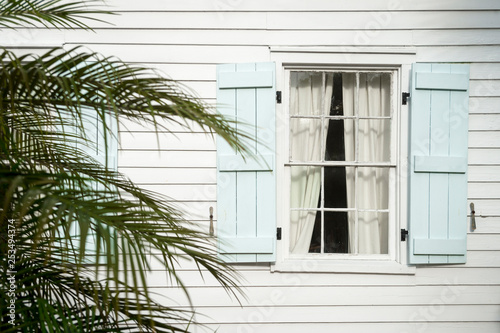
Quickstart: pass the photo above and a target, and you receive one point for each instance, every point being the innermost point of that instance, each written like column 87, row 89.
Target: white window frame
column 397, row 61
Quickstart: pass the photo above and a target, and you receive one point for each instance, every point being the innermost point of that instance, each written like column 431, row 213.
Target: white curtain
column 373, row 142
column 310, row 95
column 367, row 187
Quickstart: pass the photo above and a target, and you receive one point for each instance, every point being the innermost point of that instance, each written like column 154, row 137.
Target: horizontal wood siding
column 186, row 39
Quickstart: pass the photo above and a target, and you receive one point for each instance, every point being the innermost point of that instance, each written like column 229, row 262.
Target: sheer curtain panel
column 310, row 97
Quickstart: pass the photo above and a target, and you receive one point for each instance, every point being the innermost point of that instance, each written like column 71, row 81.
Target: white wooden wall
column 187, row 38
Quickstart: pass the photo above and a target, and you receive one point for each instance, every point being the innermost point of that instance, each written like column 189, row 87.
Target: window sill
column 342, row 266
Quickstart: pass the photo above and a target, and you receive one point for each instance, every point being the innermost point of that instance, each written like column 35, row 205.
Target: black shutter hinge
column 278, row 234
column 278, row 97
column 406, row 95
column 404, row 234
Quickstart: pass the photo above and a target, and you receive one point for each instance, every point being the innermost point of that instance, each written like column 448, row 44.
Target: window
column 341, row 160
column 340, row 167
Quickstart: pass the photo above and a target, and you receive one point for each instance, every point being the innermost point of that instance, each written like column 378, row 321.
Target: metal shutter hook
column 472, row 217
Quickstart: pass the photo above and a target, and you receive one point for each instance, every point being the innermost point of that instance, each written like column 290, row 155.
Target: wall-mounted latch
column 404, row 234
column 278, row 234
column 278, row 97
column 211, row 230
column 406, row 95
column 472, row 217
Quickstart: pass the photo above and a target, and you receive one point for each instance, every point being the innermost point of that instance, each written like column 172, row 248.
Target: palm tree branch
column 49, row 185
column 49, row 13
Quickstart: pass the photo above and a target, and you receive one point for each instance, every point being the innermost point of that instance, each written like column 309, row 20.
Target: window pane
column 315, row 246
column 361, row 106
column 310, row 93
column 301, row 229
column 348, row 94
column 305, row 186
column 340, row 140
column 337, row 105
column 374, row 95
column 339, row 187
column 373, row 232
column 336, row 233
column 374, row 137
column 336, row 236
column 305, row 140
column 373, row 188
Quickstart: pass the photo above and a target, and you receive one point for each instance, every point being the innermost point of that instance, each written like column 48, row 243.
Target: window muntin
column 341, row 161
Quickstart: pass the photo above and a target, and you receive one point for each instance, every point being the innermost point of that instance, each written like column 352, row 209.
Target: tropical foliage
column 51, row 186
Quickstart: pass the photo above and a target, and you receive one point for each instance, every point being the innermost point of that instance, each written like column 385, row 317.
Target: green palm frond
column 55, row 13
column 66, row 81
column 47, row 186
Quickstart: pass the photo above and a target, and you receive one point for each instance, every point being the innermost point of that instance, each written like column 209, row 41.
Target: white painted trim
column 345, row 50
column 343, row 266
column 402, row 163
column 358, row 57
column 398, row 60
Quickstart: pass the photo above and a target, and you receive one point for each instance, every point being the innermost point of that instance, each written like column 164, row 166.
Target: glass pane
column 301, row 223
column 337, row 106
column 340, row 140
column 305, row 140
column 315, row 246
column 348, row 94
column 339, row 187
column 374, row 94
column 336, row 232
column 372, row 190
column 305, row 186
column 373, row 232
column 374, row 136
column 310, row 93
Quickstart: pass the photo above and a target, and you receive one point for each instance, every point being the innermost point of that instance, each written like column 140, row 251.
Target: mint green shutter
column 101, row 142
column 438, row 163
column 246, row 188
column 103, row 147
